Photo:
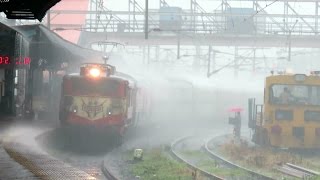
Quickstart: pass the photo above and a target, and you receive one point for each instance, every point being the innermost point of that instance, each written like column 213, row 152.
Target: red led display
column 23, row 61
column 6, row 60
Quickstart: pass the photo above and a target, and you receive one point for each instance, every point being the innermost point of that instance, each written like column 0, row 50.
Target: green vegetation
column 213, row 167
column 197, row 154
column 156, row 166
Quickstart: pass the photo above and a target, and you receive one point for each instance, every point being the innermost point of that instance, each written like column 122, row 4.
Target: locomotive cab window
column 286, row 115
column 283, row 94
column 312, row 116
column 103, row 87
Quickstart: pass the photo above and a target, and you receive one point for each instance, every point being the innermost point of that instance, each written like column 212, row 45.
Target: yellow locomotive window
column 300, row 77
column 286, row 94
column 312, row 116
column 284, row 115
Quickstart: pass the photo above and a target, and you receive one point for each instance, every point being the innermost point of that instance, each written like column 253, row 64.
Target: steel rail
column 305, row 170
column 297, row 171
column 291, row 171
column 193, row 167
column 107, row 173
column 216, row 156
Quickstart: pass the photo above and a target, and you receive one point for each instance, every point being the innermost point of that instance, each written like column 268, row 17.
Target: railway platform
column 10, row 169
column 21, row 158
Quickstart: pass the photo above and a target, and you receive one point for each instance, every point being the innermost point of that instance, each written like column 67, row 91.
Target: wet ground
column 9, row 169
column 89, row 154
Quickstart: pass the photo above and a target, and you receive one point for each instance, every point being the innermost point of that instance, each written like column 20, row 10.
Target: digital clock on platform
column 7, row 60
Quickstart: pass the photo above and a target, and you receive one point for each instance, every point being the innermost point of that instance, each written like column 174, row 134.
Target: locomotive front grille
column 298, row 132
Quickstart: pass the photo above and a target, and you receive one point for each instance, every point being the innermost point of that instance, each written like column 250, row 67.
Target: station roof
column 47, row 36
column 26, row 9
column 47, row 45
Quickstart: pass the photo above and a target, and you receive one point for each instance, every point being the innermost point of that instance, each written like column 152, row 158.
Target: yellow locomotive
column 290, row 115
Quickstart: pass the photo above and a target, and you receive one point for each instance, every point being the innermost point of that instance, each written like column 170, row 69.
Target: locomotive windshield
column 100, row 87
column 295, row 94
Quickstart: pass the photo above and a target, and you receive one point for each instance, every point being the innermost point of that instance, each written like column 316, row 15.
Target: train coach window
column 312, row 116
column 284, row 115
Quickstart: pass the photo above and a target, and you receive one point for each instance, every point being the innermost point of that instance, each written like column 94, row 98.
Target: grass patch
column 262, row 160
column 213, row 167
column 156, row 166
column 197, row 154
column 315, row 178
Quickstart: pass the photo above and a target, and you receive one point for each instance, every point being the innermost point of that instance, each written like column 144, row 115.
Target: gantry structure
column 172, row 30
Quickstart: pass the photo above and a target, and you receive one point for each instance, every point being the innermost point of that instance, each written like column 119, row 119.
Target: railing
column 203, row 23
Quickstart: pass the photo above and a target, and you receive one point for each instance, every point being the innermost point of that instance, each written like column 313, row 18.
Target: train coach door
column 134, row 106
column 131, row 107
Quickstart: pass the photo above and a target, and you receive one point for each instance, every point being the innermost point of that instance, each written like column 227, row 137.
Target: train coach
column 99, row 100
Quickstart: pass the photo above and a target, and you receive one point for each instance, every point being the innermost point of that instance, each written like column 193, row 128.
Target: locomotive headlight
column 75, row 109
column 108, row 111
column 94, row 72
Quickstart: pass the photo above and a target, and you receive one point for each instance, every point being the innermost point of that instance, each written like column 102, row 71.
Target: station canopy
column 45, row 45
column 26, row 9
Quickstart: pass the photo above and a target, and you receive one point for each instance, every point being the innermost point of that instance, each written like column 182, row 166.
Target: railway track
column 255, row 175
column 297, row 171
column 107, row 173
column 192, row 166
column 220, row 162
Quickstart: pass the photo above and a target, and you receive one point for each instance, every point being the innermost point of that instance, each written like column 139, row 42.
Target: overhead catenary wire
column 262, row 9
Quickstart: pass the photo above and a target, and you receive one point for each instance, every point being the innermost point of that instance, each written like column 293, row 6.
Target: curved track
column 255, row 175
column 192, row 166
column 107, row 173
column 221, row 162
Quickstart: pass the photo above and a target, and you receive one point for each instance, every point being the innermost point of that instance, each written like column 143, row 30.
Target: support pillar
column 157, row 53
column 146, row 25
column 196, row 60
column 289, row 50
column 236, row 62
column 193, row 9
column 178, row 47
column 90, row 22
column 254, row 61
column 316, row 18
column 144, row 54
column 285, row 16
column 148, row 57
column 129, row 16
column 211, row 56
column 49, row 19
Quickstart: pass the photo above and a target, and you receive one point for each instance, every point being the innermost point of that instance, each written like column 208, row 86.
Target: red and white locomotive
column 101, row 100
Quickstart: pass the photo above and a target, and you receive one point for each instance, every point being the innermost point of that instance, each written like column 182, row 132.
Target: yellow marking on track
column 43, row 166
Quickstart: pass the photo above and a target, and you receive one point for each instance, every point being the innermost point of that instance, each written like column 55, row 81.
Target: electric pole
column 146, row 33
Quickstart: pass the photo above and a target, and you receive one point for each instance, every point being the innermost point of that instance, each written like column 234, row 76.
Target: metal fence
column 206, row 23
